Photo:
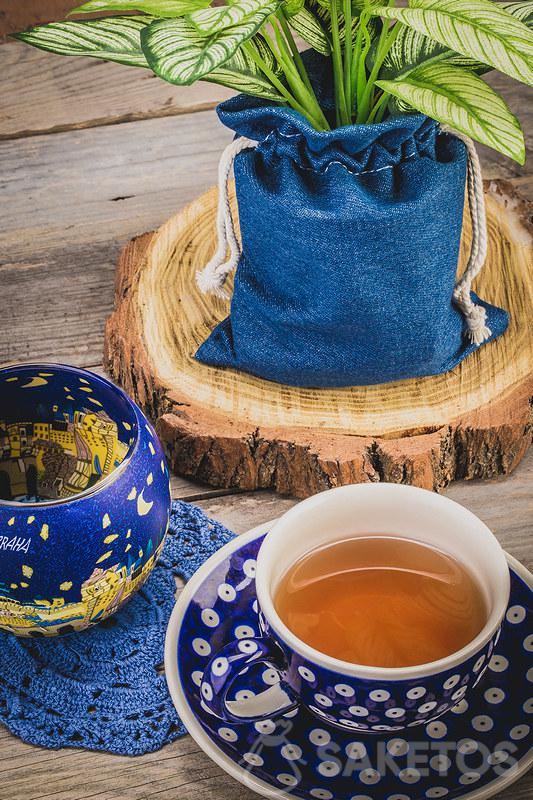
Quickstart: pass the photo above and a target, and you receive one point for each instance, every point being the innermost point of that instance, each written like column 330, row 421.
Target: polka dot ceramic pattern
column 356, row 705
column 360, row 704
column 471, row 751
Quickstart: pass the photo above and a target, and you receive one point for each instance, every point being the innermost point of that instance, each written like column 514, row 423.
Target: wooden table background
column 92, row 154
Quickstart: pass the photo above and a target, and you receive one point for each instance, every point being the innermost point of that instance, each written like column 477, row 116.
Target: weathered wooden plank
column 102, row 184
column 182, row 489
column 65, row 302
column 180, row 770
column 15, row 16
column 45, row 93
column 65, row 217
column 505, row 505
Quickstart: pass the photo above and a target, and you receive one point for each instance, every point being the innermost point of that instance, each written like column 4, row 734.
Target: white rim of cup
column 272, row 544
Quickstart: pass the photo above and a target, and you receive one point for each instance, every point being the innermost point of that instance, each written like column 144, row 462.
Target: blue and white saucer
column 472, row 753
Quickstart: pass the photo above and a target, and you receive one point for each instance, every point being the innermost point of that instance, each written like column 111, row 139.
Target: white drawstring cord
column 475, row 315
column 213, row 276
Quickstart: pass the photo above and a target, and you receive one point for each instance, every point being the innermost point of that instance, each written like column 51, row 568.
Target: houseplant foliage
column 428, row 57
column 350, row 164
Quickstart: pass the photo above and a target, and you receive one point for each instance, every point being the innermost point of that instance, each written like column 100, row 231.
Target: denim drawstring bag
column 350, row 242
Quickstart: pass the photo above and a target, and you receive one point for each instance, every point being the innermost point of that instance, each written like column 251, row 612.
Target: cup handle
column 230, row 662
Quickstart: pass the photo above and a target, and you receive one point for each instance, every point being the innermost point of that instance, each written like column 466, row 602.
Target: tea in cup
column 382, row 601
column 379, row 605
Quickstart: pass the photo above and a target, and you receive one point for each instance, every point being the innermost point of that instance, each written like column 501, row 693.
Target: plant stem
column 295, row 70
column 343, row 117
column 359, row 59
column 385, row 41
column 286, row 64
column 348, row 56
column 274, row 80
column 383, row 107
column 376, row 115
column 282, row 17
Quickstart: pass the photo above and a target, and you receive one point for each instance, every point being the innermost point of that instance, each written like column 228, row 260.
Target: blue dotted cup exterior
column 84, row 499
column 350, row 696
column 478, row 748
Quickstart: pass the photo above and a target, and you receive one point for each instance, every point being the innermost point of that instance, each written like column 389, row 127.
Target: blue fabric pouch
column 350, row 243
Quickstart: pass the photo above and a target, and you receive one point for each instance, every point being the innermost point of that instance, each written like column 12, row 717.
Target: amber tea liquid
column 381, row 601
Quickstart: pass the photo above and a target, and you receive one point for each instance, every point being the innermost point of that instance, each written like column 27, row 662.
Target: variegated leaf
column 478, row 29
column 242, row 74
column 321, row 9
column 180, row 54
column 521, row 9
column 464, row 101
column 157, row 8
column 111, row 38
column 214, row 20
column 359, row 5
column 292, row 7
column 411, row 49
column 310, row 29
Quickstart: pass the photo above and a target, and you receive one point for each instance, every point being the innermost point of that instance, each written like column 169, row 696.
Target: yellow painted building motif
column 101, row 595
column 58, row 459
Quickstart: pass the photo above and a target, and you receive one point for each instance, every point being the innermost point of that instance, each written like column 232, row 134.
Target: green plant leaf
column 242, row 74
column 292, row 7
column 459, row 98
column 411, row 49
column 180, row 54
column 359, row 5
column 157, row 8
column 521, row 9
column 320, row 9
column 214, row 20
column 111, row 38
column 479, row 29
column 310, row 29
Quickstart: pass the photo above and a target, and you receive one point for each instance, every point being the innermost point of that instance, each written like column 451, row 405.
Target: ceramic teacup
column 365, row 698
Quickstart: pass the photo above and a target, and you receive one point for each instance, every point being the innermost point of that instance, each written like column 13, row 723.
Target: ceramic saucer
column 472, row 753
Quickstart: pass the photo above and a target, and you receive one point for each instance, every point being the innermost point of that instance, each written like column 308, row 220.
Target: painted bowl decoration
column 84, row 499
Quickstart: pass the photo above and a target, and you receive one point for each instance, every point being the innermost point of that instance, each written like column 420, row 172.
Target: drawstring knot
column 475, row 315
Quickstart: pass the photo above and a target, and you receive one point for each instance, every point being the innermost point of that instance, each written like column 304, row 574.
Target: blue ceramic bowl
column 84, row 499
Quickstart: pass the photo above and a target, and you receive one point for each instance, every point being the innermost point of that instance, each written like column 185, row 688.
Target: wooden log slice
column 230, row 429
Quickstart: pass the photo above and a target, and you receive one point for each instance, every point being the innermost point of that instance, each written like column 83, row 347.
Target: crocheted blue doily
column 104, row 688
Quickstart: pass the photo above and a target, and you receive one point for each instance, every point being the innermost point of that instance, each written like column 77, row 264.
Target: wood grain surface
column 15, row 15
column 231, row 429
column 61, row 229
column 49, row 94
